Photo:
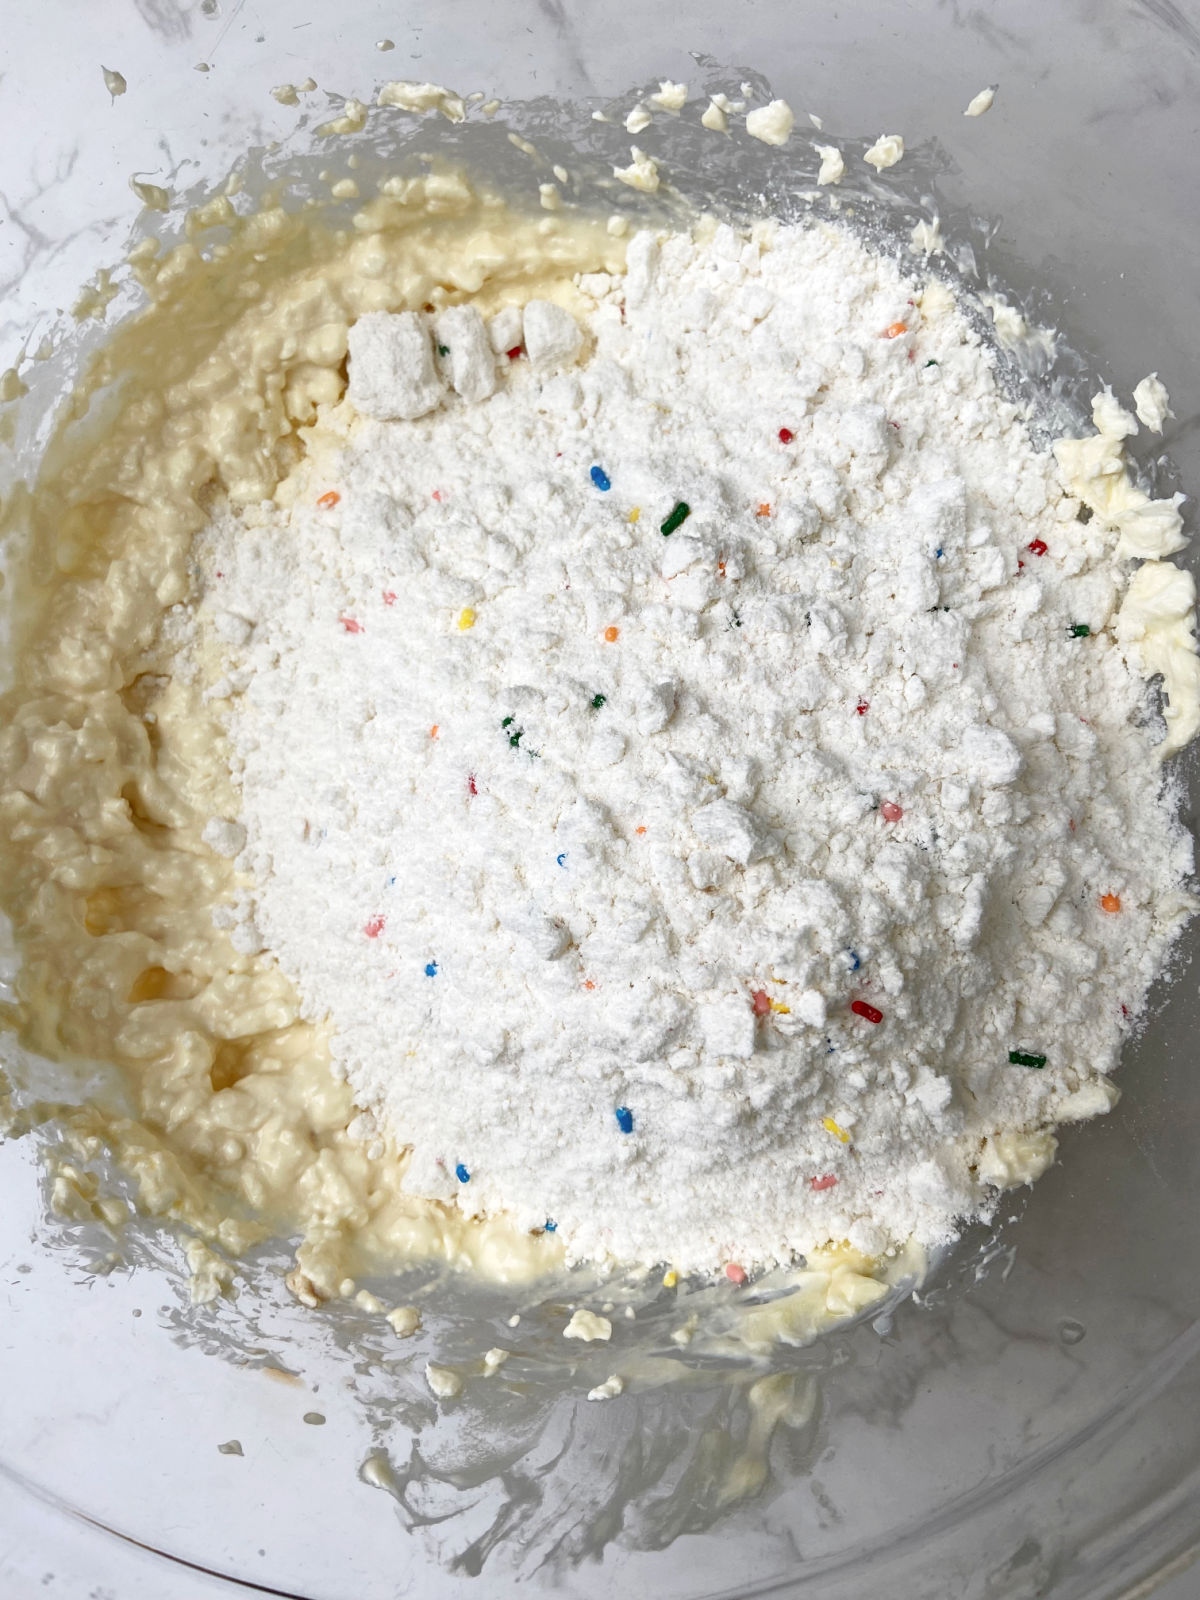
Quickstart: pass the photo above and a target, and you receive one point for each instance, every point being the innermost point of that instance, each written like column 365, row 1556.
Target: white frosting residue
column 982, row 102
column 641, row 173
column 1093, row 470
column 833, row 167
column 771, row 123
column 885, row 152
column 1156, row 626
column 422, row 97
column 670, row 97
column 1152, row 403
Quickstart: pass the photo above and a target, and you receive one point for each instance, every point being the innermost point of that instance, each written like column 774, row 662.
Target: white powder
column 572, row 828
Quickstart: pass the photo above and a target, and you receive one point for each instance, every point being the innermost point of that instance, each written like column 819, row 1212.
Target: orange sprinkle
column 763, row 511
column 329, row 500
column 639, row 830
column 588, row 984
column 611, row 634
column 1110, row 902
column 720, row 569
column 895, row 329
column 434, row 729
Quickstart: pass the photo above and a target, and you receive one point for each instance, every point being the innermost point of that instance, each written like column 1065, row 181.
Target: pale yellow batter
column 111, row 764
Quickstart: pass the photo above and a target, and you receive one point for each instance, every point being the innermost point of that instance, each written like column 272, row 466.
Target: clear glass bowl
column 1029, row 1425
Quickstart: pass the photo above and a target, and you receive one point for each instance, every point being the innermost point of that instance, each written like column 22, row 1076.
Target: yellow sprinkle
column 831, row 1126
column 466, row 619
column 670, row 1279
column 635, row 513
column 783, row 1010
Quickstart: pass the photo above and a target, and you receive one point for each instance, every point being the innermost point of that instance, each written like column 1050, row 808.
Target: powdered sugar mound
column 574, row 829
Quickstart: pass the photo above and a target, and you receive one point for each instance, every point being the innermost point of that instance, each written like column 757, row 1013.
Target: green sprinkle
column 514, row 739
column 507, row 723
column 598, row 700
column 1018, row 1058
column 933, row 363
column 677, row 518
column 443, row 349
column 1080, row 630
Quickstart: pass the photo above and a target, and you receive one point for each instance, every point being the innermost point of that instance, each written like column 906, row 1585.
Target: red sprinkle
column 375, row 927
column 863, row 707
column 786, row 436
column 351, row 625
column 514, row 353
column 437, row 495
column 890, row 811
column 389, row 597
column 1038, row 547
column 328, row 500
column 761, row 1001
column 827, row 1182
column 734, row 1273
column 471, row 789
column 860, row 1008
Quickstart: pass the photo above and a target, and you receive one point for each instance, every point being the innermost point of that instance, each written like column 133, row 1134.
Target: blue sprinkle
column 431, row 969
column 832, row 1046
column 551, row 1227
column 390, row 882
column 461, row 1173
column 624, row 1119
column 601, row 478
column 562, row 860
column 940, row 554
column 855, row 963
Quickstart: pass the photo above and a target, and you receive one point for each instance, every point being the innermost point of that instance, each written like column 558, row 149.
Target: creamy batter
column 108, row 784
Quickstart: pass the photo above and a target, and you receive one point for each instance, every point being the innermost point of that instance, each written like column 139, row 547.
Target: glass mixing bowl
column 1028, row 1425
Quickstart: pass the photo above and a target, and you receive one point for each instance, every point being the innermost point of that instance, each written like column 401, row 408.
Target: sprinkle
column 514, row 353
column 433, row 732
column 784, row 1011
column 562, row 859
column 471, row 788
column 551, row 1227
column 601, row 478
column 1110, row 903
column 624, row 1119
column 861, row 1008
column 895, row 329
column 598, row 700
column 612, row 634
column 670, row 1279
column 328, row 500
column 1018, row 1058
column 1080, row 630
column 676, row 519
column 932, row 363
column 939, row 554
column 461, row 1173
column 588, row 984
column 890, row 811
column 831, row 1126
column 389, row 597
column 466, row 619
column 764, row 510
column 817, row 1184
column 431, row 969
column 863, row 707
column 721, row 568
column 375, row 926
column 635, row 514
column 640, row 830
column 855, row 960
column 786, row 436
column 351, row 625
column 1038, row 547
column 443, row 349
column 734, row 1273
column 761, row 1002
column 437, row 495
